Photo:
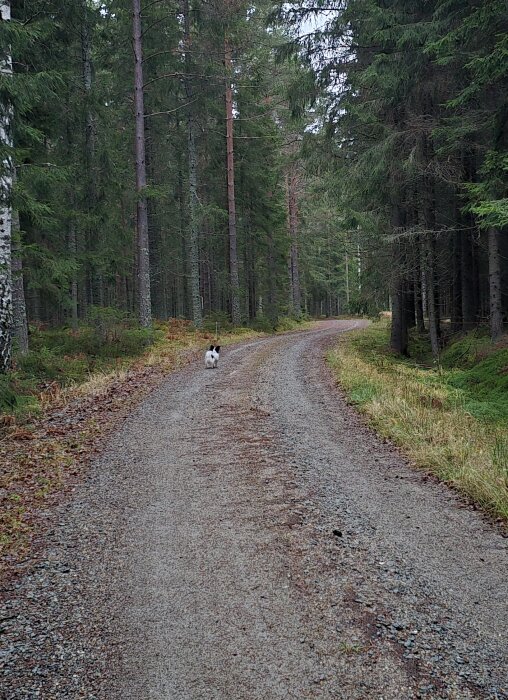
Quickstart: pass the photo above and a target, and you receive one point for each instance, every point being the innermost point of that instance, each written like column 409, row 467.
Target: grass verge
column 451, row 420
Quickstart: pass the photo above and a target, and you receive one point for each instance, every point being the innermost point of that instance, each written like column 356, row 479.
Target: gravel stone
column 201, row 558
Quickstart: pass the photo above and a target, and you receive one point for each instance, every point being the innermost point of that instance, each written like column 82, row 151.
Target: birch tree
column 20, row 322
column 5, row 211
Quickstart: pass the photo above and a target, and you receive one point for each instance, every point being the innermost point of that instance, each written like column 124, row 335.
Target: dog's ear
column 217, row 348
column 211, row 347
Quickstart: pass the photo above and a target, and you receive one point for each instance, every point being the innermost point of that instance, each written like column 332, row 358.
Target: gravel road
column 246, row 537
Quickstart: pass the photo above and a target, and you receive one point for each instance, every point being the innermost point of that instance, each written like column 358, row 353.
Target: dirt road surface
column 246, row 537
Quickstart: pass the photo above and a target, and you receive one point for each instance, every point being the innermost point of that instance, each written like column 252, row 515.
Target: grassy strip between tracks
column 61, row 402
column 450, row 420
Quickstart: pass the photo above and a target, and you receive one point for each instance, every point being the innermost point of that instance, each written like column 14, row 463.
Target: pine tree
column 143, row 276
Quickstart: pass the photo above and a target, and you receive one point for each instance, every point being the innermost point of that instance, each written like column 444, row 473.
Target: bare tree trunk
column 409, row 295
column 456, row 300
column 193, row 231
column 398, row 334
column 271, row 306
column 428, row 247
column 291, row 299
column 294, row 272
column 496, row 312
column 182, row 286
column 144, row 300
column 233, row 255
column 87, row 67
column 428, row 214
column 91, row 237
column 73, row 248
column 20, row 324
column 252, row 280
column 467, row 283
column 420, row 321
column 5, row 214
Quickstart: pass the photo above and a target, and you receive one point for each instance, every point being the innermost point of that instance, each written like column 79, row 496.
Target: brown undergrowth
column 43, row 458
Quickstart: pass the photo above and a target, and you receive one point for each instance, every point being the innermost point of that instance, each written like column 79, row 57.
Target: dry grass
column 426, row 417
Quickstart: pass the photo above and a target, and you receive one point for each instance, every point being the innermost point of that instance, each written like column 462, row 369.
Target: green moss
column 466, row 350
column 473, row 369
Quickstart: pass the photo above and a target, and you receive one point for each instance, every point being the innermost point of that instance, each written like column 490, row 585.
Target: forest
column 235, row 163
column 313, row 194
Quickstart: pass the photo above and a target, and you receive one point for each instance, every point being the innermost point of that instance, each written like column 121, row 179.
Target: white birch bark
column 5, row 214
column 20, row 323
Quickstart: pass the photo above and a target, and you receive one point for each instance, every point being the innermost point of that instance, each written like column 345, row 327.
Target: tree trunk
column 428, row 249
column 496, row 312
column 271, row 306
column 193, row 230
column 233, row 256
column 73, row 249
column 87, row 68
column 143, row 271
column 420, row 321
column 428, row 212
column 90, row 193
column 398, row 334
column 467, row 283
column 182, row 285
column 409, row 295
column 5, row 215
column 252, row 279
column 456, row 300
column 295, row 297
column 20, row 324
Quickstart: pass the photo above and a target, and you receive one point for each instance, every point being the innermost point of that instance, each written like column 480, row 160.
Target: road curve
column 246, row 537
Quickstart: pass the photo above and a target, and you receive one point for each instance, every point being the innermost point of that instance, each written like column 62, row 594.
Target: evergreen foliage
column 369, row 148
column 412, row 120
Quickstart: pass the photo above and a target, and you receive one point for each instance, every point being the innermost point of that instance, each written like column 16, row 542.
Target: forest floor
column 245, row 536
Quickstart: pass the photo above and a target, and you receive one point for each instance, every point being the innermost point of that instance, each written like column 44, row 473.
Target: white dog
column 212, row 357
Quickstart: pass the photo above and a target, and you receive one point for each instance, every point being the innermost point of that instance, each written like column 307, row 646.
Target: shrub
column 217, row 319
column 107, row 322
column 287, row 323
column 263, row 324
